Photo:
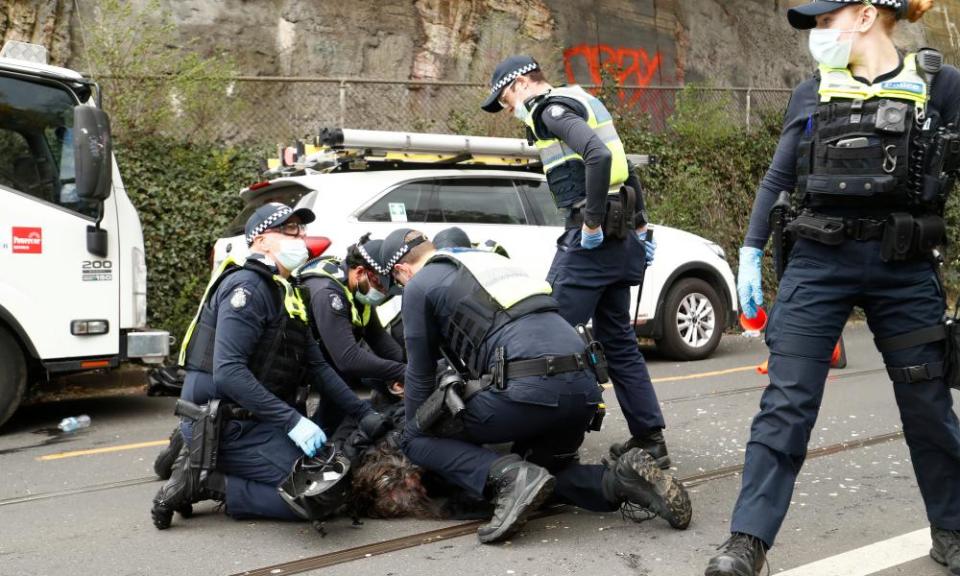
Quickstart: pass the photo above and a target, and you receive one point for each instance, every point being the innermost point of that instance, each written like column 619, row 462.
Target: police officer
column 250, row 347
column 455, row 237
column 862, row 144
column 603, row 251
column 531, row 385
column 343, row 296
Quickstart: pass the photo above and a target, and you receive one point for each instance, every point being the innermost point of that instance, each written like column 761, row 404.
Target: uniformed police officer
column 455, row 237
column 870, row 144
column 531, row 385
column 603, row 251
column 343, row 296
column 250, row 347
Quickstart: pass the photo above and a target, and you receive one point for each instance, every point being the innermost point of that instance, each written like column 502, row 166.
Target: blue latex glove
column 308, row 436
column 649, row 247
column 748, row 281
column 591, row 240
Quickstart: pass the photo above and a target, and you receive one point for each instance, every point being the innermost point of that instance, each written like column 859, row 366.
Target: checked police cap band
column 271, row 215
column 505, row 73
column 804, row 17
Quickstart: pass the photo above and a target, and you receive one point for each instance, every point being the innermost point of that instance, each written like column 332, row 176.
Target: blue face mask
column 520, row 113
column 372, row 298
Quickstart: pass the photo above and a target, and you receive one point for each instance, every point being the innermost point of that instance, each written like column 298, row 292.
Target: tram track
column 466, row 528
column 699, row 479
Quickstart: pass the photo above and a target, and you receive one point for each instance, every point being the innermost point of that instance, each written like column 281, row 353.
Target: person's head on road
column 403, row 254
column 277, row 231
column 363, row 280
column 854, row 32
column 515, row 83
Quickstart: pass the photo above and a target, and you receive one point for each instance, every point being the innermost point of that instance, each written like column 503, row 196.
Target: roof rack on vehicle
column 340, row 150
column 344, row 149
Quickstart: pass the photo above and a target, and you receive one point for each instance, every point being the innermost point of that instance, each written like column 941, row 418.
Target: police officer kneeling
column 528, row 381
column 249, row 360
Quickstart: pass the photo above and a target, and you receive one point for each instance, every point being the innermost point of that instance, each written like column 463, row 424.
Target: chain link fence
column 277, row 110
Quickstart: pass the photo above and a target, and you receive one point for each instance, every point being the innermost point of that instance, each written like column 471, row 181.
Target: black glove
column 374, row 425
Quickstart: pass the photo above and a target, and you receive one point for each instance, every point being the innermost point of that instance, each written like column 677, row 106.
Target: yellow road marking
column 154, row 443
column 698, row 375
column 103, row 450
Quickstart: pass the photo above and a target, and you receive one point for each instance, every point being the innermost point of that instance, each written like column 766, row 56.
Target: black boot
column 163, row 465
column 183, row 489
column 743, row 555
column 652, row 443
column 176, row 494
column 519, row 488
column 635, row 481
column 946, row 548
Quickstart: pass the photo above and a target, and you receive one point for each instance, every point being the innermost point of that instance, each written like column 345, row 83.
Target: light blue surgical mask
column 373, row 297
column 520, row 113
column 827, row 48
column 293, row 253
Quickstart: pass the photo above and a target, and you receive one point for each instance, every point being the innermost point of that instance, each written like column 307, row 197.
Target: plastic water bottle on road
column 74, row 423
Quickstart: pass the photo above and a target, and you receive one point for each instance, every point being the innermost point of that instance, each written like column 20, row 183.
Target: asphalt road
column 79, row 503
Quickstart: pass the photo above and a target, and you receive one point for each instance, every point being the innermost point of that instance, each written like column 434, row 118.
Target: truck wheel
column 692, row 320
column 13, row 376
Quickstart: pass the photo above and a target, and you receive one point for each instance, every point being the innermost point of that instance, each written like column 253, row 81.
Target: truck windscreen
column 36, row 143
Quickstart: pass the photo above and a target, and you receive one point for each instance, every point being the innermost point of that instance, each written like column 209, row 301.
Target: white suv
column 688, row 296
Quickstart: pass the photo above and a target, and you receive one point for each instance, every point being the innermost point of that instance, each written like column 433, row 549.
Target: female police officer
column 860, row 142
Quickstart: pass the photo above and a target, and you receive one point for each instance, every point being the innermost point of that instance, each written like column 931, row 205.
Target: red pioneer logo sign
column 27, row 240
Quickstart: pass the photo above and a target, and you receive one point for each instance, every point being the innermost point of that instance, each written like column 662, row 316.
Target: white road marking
column 869, row 559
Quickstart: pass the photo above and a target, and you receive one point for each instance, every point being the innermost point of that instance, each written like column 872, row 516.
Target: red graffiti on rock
column 629, row 66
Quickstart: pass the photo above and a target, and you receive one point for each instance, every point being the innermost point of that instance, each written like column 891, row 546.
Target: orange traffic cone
column 839, row 358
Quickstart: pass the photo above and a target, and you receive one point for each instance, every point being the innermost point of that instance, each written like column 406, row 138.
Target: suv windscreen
column 479, row 201
column 36, row 143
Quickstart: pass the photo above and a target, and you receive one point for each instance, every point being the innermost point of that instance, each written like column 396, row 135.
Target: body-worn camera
column 892, row 117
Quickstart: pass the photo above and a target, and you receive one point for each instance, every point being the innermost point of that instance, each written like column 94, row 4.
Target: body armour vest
column 564, row 168
column 488, row 292
column 332, row 268
column 278, row 361
column 861, row 148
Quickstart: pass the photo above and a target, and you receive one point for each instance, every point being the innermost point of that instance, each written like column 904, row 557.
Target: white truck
column 73, row 276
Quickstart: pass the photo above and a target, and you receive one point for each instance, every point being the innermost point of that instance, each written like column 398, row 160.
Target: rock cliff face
column 658, row 42
column 742, row 43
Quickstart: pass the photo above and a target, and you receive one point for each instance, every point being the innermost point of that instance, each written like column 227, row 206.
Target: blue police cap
column 271, row 215
column 453, row 237
column 505, row 73
column 804, row 17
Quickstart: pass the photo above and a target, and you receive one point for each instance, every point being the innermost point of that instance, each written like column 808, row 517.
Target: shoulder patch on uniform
column 556, row 111
column 239, row 298
column 336, row 302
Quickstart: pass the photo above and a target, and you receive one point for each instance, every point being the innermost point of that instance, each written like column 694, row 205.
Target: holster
column 619, row 217
column 206, row 424
column 824, row 230
column 440, row 413
column 593, row 350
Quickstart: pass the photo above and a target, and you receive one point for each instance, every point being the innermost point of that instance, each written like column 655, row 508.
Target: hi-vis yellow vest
column 556, row 155
column 330, row 268
column 907, row 85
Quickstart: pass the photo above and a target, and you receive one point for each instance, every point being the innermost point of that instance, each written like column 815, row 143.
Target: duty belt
column 545, row 366
column 833, row 230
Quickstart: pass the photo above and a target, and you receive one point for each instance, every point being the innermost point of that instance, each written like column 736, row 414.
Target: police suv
column 360, row 181
column 73, row 294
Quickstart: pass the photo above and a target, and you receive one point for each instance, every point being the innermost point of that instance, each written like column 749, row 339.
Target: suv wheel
column 692, row 320
column 13, row 375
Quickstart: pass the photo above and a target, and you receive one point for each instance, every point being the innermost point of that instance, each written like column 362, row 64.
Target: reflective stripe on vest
column 388, row 310
column 501, row 278
column 907, row 85
column 554, row 152
column 319, row 269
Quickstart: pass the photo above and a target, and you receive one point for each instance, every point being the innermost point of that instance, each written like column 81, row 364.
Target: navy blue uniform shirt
column 426, row 309
column 244, row 303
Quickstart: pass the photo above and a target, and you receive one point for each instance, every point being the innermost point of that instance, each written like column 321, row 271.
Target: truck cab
column 73, row 282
